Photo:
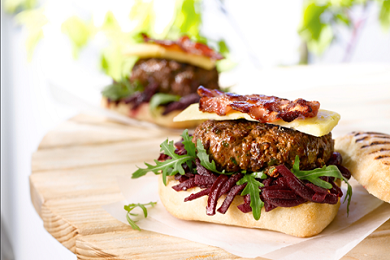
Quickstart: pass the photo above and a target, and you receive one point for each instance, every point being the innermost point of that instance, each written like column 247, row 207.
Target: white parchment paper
column 336, row 240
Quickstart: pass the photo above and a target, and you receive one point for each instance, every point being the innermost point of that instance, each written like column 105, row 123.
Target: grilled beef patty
column 237, row 145
column 173, row 77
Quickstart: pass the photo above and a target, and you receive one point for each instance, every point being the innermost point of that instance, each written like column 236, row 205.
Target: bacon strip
column 185, row 44
column 265, row 109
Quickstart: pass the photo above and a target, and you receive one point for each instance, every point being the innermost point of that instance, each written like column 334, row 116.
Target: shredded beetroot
column 279, row 194
column 331, row 199
column 268, row 206
column 230, row 197
column 198, row 194
column 344, row 171
column 295, row 184
column 275, row 187
column 181, row 178
column 319, row 197
column 185, row 185
column 182, row 104
column 267, row 182
column 142, row 97
column 246, row 206
column 214, row 193
column 336, row 189
column 285, row 190
column 202, row 170
column 316, row 189
column 204, row 181
column 286, row 203
column 335, row 159
column 230, row 183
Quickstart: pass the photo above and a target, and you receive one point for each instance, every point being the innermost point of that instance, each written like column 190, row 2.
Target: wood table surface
column 74, row 170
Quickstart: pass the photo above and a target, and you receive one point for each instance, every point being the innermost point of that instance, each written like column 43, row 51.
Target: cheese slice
column 318, row 126
column 150, row 50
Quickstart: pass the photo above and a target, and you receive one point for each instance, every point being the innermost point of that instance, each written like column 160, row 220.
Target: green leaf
column 253, row 189
column 384, row 14
column 159, row 99
column 205, row 160
column 143, row 14
column 122, row 89
column 169, row 167
column 13, row 6
column 132, row 206
column 78, row 31
column 342, row 17
column 188, row 144
column 314, row 177
column 33, row 20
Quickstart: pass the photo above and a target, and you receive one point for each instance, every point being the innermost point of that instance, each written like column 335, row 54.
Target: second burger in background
column 164, row 80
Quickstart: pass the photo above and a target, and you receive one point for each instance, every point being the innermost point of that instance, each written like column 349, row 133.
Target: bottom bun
column 305, row 220
column 143, row 113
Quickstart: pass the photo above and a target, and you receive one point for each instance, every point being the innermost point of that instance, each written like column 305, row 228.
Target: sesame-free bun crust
column 304, row 220
column 367, row 156
column 143, row 113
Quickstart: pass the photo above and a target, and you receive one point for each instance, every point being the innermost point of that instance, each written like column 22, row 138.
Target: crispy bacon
column 185, row 44
column 265, row 109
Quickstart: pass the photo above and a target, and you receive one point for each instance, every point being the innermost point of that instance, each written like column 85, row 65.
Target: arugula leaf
column 169, row 167
column 121, row 89
column 132, row 206
column 314, row 177
column 159, row 99
column 205, row 160
column 253, row 189
column 188, row 144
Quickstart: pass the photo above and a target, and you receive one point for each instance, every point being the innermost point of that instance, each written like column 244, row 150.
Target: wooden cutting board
column 75, row 167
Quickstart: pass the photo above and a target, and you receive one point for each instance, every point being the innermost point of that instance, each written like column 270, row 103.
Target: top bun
column 367, row 156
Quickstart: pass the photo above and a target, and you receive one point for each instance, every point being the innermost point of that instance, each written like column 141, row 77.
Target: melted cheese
column 150, row 50
column 320, row 125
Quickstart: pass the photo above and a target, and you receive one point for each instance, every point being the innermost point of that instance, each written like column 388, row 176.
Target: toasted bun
column 305, row 220
column 367, row 156
column 143, row 113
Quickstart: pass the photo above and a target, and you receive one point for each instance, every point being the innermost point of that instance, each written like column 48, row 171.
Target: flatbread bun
column 143, row 113
column 367, row 156
column 305, row 220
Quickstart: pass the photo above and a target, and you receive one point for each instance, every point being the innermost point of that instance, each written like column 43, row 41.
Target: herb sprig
column 171, row 166
column 313, row 176
column 132, row 206
column 253, row 189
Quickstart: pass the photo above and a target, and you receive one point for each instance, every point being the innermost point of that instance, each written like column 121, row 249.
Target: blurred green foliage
column 33, row 20
column 186, row 19
column 13, row 6
column 321, row 17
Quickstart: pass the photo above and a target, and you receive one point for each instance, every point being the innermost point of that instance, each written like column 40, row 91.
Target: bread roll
column 143, row 113
column 305, row 220
column 367, row 156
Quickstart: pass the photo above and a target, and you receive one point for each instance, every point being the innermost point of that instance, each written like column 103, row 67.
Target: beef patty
column 237, row 145
column 174, row 77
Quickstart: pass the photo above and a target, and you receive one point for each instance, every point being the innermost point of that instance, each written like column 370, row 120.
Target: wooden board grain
column 75, row 167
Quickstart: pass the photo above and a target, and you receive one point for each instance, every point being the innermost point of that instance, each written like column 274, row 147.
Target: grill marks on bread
column 376, row 143
column 367, row 156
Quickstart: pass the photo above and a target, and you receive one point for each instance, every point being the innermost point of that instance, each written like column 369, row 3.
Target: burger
column 255, row 161
column 163, row 81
